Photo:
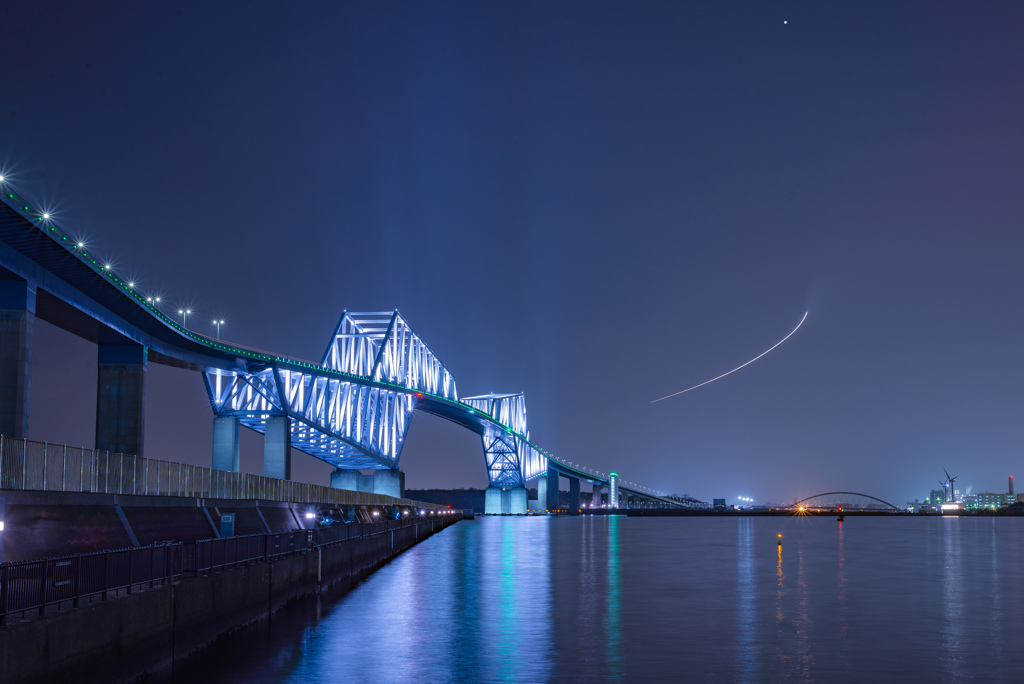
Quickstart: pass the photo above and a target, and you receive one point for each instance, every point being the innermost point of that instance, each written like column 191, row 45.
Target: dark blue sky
column 595, row 203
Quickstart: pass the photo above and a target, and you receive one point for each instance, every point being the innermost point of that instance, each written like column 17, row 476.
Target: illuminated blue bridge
column 352, row 409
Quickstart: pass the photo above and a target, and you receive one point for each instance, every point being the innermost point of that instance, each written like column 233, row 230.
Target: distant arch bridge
column 850, row 501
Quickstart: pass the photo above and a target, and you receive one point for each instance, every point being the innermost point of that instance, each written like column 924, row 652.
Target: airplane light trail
column 743, row 366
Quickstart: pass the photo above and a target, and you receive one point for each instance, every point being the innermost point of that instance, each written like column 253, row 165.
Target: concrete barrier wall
column 125, row 637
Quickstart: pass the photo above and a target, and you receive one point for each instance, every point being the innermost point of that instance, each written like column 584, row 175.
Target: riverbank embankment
column 124, row 638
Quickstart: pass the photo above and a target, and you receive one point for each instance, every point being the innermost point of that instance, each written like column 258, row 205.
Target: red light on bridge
column 419, row 394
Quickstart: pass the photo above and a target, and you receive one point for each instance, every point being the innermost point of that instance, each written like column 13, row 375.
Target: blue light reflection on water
column 613, row 629
column 626, row 599
column 746, row 605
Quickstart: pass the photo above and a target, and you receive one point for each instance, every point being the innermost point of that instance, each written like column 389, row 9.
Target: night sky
column 595, row 203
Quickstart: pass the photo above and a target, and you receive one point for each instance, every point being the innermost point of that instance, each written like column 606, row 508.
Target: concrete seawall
column 123, row 638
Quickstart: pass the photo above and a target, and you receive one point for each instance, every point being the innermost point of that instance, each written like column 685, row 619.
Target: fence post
column 78, row 579
column 106, row 568
column 4, row 571
column 42, row 589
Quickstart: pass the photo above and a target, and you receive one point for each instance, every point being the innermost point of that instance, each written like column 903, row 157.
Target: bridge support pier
column 517, row 500
column 277, row 448
column 492, row 501
column 574, row 496
column 596, row 500
column 17, row 319
column 542, row 492
column 343, row 478
column 498, row 501
column 552, row 489
column 389, row 482
column 121, row 399
column 225, row 443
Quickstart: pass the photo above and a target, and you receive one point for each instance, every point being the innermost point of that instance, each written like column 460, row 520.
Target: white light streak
column 743, row 366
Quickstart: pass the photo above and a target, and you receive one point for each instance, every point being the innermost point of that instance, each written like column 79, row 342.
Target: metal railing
column 35, row 585
column 206, row 555
column 39, row 466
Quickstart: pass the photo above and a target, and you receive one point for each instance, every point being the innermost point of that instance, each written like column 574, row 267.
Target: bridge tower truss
column 382, row 347
column 511, row 460
column 350, row 421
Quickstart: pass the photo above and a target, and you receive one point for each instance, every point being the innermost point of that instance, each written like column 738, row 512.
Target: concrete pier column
column 517, row 501
column 225, row 443
column 574, row 496
column 344, row 478
column 17, row 319
column 552, row 478
column 542, row 492
column 277, row 448
column 389, row 482
column 598, row 494
column 121, row 398
column 492, row 501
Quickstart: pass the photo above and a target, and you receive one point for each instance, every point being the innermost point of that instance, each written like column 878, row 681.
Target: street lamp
column 184, row 313
column 218, row 323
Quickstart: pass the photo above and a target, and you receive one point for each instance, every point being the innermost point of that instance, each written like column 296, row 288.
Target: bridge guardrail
column 207, row 555
column 40, row 466
column 35, row 585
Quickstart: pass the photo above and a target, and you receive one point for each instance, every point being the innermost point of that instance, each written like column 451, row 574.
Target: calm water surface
column 630, row 599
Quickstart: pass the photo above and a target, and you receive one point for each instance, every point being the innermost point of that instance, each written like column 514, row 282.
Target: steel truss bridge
column 352, row 409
